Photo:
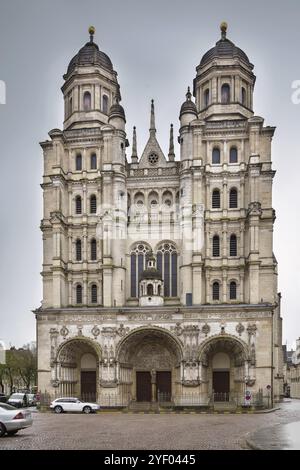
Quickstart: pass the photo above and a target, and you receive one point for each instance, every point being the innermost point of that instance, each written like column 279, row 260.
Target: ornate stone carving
column 191, row 383
column 252, row 355
column 177, row 329
column 206, row 329
column 95, row 331
column 122, row 331
column 254, row 208
column 240, row 329
column 53, row 332
column 79, row 332
column 108, row 383
column 252, row 329
column 109, row 331
column 64, row 332
column 55, row 383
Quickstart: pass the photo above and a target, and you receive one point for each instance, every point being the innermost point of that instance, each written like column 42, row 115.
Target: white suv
column 73, row 404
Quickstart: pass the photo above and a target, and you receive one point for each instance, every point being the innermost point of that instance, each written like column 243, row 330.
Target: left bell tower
column 90, row 88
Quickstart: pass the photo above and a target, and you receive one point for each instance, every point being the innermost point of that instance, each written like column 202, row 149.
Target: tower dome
column 89, row 55
column 225, row 49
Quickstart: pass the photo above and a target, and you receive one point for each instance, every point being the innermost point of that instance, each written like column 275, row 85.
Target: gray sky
column 154, row 46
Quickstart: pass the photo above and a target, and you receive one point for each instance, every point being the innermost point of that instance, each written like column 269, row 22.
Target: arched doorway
column 77, row 369
column 225, row 364
column 149, row 360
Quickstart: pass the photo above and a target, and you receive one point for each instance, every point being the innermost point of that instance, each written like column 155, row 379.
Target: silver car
column 12, row 419
column 73, row 404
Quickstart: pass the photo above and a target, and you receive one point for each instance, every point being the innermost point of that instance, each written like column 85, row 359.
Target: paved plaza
column 117, row 430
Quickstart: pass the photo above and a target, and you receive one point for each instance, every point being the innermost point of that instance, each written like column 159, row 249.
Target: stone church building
column 159, row 277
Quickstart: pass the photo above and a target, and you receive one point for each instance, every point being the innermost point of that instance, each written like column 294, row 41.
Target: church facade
column 159, row 277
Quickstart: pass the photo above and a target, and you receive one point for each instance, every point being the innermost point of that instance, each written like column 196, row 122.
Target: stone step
column 143, row 406
column 224, row 406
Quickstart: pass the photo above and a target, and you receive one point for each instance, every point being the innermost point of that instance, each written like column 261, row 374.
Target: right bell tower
column 224, row 84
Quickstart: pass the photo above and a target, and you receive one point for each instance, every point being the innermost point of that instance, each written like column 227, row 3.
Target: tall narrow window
column 216, row 156
column 93, row 250
column 93, row 204
column 216, row 199
column 70, row 106
column 93, row 161
column 79, row 294
column 87, row 101
column 225, row 93
column 78, row 205
column 243, row 96
column 78, row 250
column 216, row 246
column 78, row 165
column 150, row 290
column 233, row 155
column 232, row 290
column 137, row 266
column 233, row 245
column 105, row 104
column 167, row 265
column 94, row 294
column 206, row 98
column 233, row 198
column 216, row 291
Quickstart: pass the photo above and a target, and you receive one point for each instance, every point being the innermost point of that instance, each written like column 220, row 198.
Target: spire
column 188, row 94
column 171, row 145
column 92, row 32
column 134, row 156
column 152, row 120
column 223, row 28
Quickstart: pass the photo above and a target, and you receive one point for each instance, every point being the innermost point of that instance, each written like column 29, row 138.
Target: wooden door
column 163, row 385
column 221, row 385
column 143, row 386
column 88, row 385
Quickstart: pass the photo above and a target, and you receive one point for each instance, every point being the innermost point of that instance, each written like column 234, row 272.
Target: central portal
column 143, row 386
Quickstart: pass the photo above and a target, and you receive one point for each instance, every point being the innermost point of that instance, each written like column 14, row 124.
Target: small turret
column 188, row 111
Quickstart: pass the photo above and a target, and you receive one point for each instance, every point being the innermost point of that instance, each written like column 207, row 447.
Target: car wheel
column 58, row 409
column 2, row 429
column 12, row 433
column 87, row 410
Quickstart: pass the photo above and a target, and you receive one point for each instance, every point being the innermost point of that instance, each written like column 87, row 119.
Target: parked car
column 12, row 419
column 61, row 405
column 32, row 400
column 19, row 400
column 3, row 398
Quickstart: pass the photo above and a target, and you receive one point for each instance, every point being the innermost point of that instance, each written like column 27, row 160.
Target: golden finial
column 92, row 32
column 223, row 28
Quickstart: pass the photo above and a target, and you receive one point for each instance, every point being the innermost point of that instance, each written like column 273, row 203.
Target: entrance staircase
column 143, row 406
column 229, row 406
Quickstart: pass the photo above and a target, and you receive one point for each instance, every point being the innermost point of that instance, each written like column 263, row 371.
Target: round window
column 168, row 202
column 153, row 158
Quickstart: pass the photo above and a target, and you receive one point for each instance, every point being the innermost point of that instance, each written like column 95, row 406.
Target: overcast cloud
column 154, row 46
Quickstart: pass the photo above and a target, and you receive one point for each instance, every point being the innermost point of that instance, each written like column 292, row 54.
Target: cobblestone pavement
column 113, row 430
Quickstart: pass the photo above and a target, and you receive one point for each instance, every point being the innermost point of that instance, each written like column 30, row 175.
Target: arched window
column 105, row 104
column 216, row 291
column 78, row 205
column 78, row 162
column 137, row 266
column 225, row 93
column 93, row 204
column 94, row 294
column 79, row 294
column 87, row 101
column 158, row 290
column 93, row 161
column 232, row 290
column 233, row 155
column 150, row 290
column 243, row 96
column 167, row 260
column 216, row 156
column 233, row 198
column 216, row 199
column 206, row 98
column 233, row 245
column 78, row 250
column 93, row 250
column 216, row 246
